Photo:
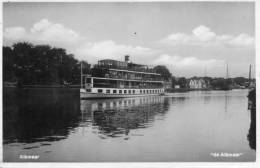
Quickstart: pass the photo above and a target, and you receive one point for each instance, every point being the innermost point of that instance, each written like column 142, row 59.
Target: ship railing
column 126, row 87
column 149, row 70
column 132, row 78
column 110, row 76
column 128, row 78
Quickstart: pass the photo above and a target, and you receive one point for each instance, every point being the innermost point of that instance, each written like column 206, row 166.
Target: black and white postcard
column 129, row 81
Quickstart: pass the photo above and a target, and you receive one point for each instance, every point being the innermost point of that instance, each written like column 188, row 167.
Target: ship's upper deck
column 126, row 66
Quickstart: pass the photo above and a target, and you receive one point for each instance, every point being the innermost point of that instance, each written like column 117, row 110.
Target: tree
column 183, row 82
column 164, row 71
column 241, row 81
column 40, row 64
column 174, row 82
column 218, row 83
column 8, row 65
column 23, row 61
column 99, row 71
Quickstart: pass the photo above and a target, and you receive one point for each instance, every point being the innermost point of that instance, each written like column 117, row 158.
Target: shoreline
column 78, row 87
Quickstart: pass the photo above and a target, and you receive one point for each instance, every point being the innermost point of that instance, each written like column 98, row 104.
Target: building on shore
column 176, row 86
column 198, row 83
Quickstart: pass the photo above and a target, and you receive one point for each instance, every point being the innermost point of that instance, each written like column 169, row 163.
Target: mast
column 249, row 77
column 227, row 75
column 227, row 87
column 81, row 75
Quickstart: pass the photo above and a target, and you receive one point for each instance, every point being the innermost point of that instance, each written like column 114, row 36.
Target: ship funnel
column 127, row 58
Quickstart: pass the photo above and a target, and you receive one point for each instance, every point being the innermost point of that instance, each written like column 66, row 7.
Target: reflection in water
column 45, row 115
column 116, row 117
column 226, row 102
column 252, row 130
column 179, row 127
column 207, row 99
column 227, row 97
column 252, row 134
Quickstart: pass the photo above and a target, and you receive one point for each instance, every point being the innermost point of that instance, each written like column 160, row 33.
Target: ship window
column 108, row 91
column 125, row 91
column 120, row 91
column 100, row 90
column 88, row 90
column 133, row 91
column 129, row 91
column 140, row 91
column 114, row 91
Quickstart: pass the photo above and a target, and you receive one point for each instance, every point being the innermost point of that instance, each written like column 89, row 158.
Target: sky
column 190, row 38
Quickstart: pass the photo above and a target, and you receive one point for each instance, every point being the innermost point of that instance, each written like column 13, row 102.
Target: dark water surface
column 56, row 126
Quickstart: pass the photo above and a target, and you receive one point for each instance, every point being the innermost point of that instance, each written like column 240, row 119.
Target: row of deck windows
column 130, row 91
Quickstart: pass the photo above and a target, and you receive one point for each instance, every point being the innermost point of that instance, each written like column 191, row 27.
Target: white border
column 145, row 164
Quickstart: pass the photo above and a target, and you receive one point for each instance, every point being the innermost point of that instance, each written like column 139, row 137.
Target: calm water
column 57, row 126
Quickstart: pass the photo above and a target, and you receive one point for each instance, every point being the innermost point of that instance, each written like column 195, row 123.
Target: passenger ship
column 118, row 79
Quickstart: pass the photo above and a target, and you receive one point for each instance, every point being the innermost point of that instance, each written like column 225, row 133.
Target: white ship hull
column 91, row 95
column 107, row 96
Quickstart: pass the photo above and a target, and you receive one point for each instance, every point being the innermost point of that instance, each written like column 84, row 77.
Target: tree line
column 29, row 64
column 213, row 83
